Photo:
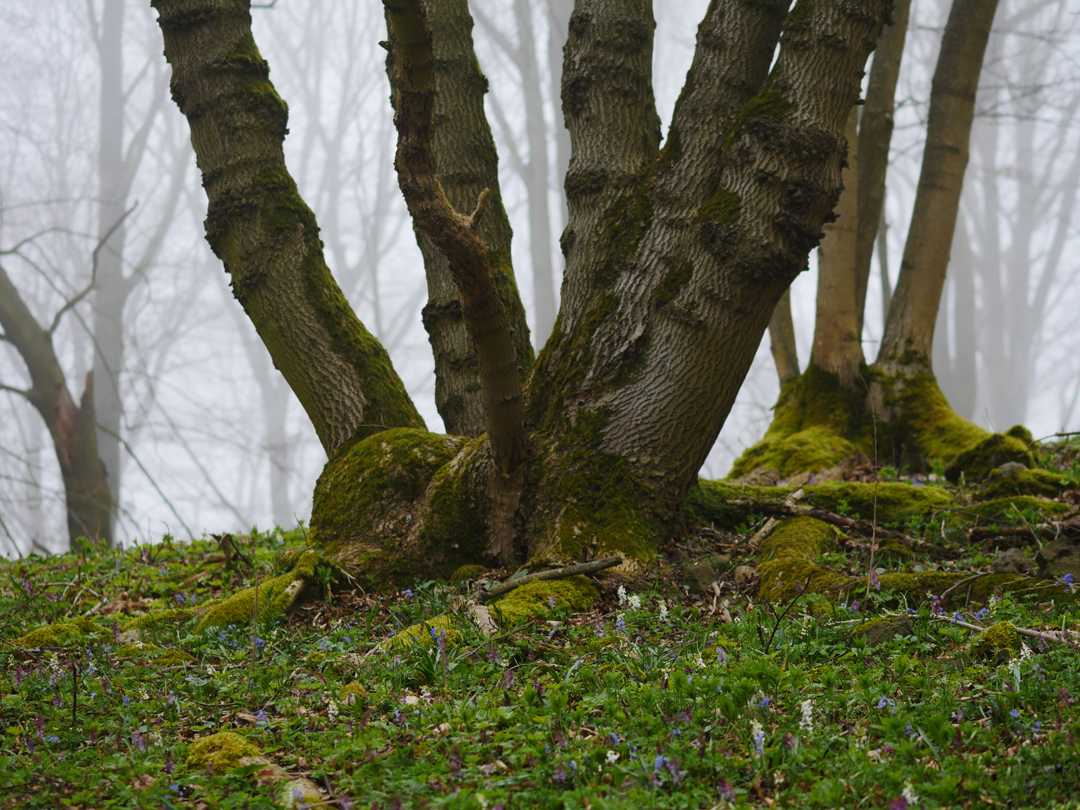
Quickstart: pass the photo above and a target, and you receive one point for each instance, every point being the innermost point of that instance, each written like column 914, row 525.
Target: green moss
column 995, row 638
column 275, row 595
column 419, row 635
column 786, row 568
column 672, row 283
column 222, row 751
column 767, row 102
column 815, row 424
column 1004, row 507
column 575, row 594
column 594, row 500
column 979, row 459
column 465, row 573
column 708, row 502
column 352, row 692
column 77, row 632
column 887, row 502
column 364, row 485
column 625, row 223
column 725, row 208
column 1047, row 483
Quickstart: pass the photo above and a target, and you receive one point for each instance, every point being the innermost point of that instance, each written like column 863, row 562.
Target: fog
column 101, row 234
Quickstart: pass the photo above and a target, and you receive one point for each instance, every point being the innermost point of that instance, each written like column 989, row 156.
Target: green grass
column 629, row 705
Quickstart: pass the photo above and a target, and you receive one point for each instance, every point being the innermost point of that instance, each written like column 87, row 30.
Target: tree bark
column 466, row 162
column 875, row 138
column 265, row 234
column 909, row 331
column 782, row 337
column 837, row 345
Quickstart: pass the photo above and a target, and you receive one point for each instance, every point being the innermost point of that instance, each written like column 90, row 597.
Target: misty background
column 101, row 212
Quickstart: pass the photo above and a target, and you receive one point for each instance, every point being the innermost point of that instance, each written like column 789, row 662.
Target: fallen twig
column 768, row 506
column 555, row 573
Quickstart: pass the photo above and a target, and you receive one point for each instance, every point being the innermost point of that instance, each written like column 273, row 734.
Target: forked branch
column 411, row 56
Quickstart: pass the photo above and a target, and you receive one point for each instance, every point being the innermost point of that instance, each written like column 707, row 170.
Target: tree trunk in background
column 72, row 427
column 782, row 339
column 538, row 182
column 954, row 349
column 875, row 138
column 112, row 287
column 909, row 331
column 558, row 23
column 837, row 345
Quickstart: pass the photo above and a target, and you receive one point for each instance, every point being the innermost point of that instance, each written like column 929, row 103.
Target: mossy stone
column 420, row 635
column 222, row 751
column 882, row 630
column 465, row 573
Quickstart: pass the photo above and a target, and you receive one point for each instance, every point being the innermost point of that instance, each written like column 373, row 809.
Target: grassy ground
column 651, row 699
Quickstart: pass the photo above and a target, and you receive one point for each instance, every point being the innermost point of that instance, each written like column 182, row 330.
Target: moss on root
column 978, row 461
column 421, row 635
column 575, row 594
column 1005, row 483
column 708, row 502
column 277, row 595
column 78, row 632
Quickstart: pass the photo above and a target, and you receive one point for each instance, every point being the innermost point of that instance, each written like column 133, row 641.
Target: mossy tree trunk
column 896, row 412
column 675, row 259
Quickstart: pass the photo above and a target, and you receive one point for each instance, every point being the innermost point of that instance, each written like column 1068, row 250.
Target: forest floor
column 653, row 697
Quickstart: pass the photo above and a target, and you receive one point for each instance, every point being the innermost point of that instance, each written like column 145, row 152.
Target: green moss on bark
column 575, row 594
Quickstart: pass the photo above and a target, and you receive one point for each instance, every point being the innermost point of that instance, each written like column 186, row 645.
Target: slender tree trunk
column 558, row 23
column 112, row 287
column 909, row 331
column 837, row 345
column 875, row 138
column 466, row 163
column 782, row 338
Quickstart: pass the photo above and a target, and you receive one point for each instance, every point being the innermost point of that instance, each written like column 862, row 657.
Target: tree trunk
column 837, row 345
column 265, row 234
column 782, row 339
column 676, row 259
column 875, row 138
column 909, row 331
column 466, row 163
column 72, row 427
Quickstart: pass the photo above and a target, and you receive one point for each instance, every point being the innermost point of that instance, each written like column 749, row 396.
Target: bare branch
column 73, row 302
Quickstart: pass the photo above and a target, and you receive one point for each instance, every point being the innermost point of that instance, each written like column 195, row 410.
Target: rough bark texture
column 72, row 427
column 675, row 261
column 265, row 234
column 909, row 331
column 466, row 162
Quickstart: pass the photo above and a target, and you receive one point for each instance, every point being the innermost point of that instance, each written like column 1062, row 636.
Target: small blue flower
column 52, row 738
column 659, row 763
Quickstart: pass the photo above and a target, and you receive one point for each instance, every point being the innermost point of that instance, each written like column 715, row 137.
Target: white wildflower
column 210, row 670
column 332, row 710
column 663, row 610
column 909, row 794
column 612, row 757
column 807, row 721
column 757, row 734
column 635, row 602
column 699, row 662
column 622, row 594
column 143, row 694
column 1025, row 652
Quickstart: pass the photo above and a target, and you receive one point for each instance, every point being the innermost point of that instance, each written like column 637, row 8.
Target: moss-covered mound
column 995, row 639
column 75, row 633
column 1013, row 479
column 222, row 751
column 976, row 462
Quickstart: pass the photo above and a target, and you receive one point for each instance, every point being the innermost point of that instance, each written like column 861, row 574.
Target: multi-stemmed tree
column 676, row 255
